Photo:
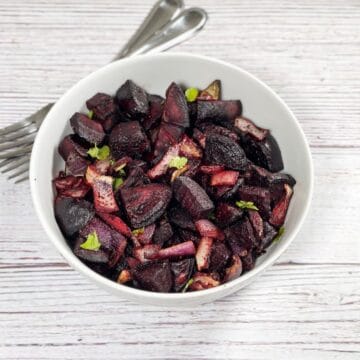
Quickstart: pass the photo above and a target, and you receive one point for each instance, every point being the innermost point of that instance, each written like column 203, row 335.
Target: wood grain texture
column 307, row 306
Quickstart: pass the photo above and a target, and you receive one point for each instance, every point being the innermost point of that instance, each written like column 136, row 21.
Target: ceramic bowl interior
column 154, row 73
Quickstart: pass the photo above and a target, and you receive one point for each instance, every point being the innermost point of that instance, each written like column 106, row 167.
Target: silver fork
column 166, row 25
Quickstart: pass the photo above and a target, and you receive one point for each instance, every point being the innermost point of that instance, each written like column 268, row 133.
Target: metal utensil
column 16, row 140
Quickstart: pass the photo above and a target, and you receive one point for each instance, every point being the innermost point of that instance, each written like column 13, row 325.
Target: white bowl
column 155, row 73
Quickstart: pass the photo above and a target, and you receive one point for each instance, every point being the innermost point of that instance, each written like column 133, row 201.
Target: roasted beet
column 75, row 164
column 182, row 271
column 265, row 153
column 156, row 107
column 188, row 235
column 175, row 109
column 145, row 237
column 269, row 235
column 257, row 224
column 220, row 255
column 103, row 231
column 154, row 276
column 88, row 129
column 189, row 148
column 72, row 214
column 71, row 144
column 143, row 254
column 163, row 232
column 226, row 214
column 167, row 136
column 278, row 213
column 181, row 218
column 67, row 182
column 221, row 150
column 209, row 128
column 102, row 186
column 246, row 126
column 222, row 112
column 259, row 176
column 136, row 177
column 116, row 223
column 104, row 110
column 203, row 253
column 145, row 204
column 240, row 236
column 128, row 138
column 132, row 100
column 207, row 229
column 228, row 192
column 78, row 192
column 234, row 270
column 199, row 137
column 211, row 169
column 248, row 261
column 224, row 178
column 259, row 196
column 192, row 197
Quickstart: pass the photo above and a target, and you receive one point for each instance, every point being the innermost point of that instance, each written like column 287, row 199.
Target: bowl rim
column 101, row 280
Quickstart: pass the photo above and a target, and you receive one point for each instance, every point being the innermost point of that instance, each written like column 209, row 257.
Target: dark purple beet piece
column 136, row 177
column 175, row 109
column 226, row 214
column 145, row 204
column 103, row 231
column 133, row 100
column 199, row 137
column 104, row 110
column 128, row 138
column 259, row 176
column 265, row 153
column 72, row 214
column 259, row 196
column 220, row 255
column 87, row 129
column 156, row 107
column 257, row 223
column 75, row 164
column 269, row 235
column 99, row 257
column 208, row 129
column 182, row 271
column 226, row 193
column 167, row 136
column 246, row 126
column 154, row 276
column 248, row 261
column 222, row 112
column 220, row 150
column 192, row 108
column 187, row 235
column 70, row 144
column 240, row 236
column 163, row 232
column 279, row 211
column 192, row 197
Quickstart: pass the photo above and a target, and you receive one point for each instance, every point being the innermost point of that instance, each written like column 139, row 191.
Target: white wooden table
column 307, row 306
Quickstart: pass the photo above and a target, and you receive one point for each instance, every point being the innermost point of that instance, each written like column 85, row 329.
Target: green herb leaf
column 279, row 234
column 191, row 94
column 137, row 232
column 90, row 114
column 178, row 162
column 246, row 205
column 112, row 162
column 117, row 183
column 187, row 285
column 92, row 242
column 99, row 153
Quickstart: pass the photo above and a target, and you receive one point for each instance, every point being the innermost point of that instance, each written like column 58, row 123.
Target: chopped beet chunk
column 220, row 150
column 129, row 139
column 145, row 204
column 88, row 129
column 133, row 100
column 192, row 197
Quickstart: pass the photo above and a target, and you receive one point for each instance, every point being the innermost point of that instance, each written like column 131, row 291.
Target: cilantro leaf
column 92, row 242
column 191, row 94
column 279, row 234
column 101, row 153
column 187, row 285
column 246, row 205
column 118, row 182
column 90, row 114
column 178, row 162
column 137, row 232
